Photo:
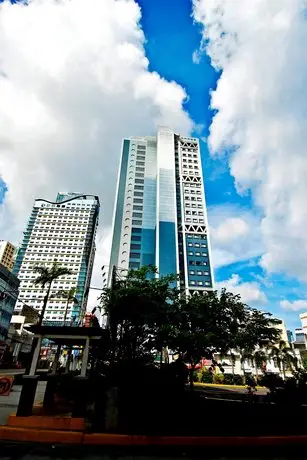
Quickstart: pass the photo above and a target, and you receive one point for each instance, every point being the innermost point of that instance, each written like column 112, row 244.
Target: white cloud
column 235, row 234
column 250, row 292
column 196, row 57
column 296, row 305
column 261, row 100
column 74, row 81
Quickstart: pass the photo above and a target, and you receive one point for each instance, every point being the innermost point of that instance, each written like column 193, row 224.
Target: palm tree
column 69, row 295
column 245, row 354
column 46, row 276
column 284, row 357
column 233, row 362
column 259, row 358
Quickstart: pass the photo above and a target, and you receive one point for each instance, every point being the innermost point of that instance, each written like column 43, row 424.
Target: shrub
column 196, row 376
column 206, row 376
column 271, row 381
column 238, row 379
column 218, row 378
column 228, row 379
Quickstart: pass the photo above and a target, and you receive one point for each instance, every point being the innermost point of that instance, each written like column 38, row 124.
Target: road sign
column 6, row 384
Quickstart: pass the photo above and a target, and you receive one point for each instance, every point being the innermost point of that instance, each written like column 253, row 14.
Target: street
column 9, row 404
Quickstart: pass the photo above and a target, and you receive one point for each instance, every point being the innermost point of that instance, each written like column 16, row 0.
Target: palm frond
column 66, row 294
column 47, row 275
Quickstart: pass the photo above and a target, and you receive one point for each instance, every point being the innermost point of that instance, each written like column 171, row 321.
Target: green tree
column 46, row 276
column 284, row 357
column 209, row 323
column 70, row 297
column 220, row 323
column 140, row 307
column 257, row 331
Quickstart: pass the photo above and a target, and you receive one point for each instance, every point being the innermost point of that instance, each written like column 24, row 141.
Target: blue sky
column 171, row 38
column 258, row 250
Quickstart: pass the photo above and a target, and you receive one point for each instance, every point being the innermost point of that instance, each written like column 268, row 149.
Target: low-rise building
column 19, row 339
column 7, row 254
column 300, row 342
column 8, row 295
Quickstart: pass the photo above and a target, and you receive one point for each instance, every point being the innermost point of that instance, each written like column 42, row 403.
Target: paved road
column 9, row 404
column 57, row 452
column 237, row 394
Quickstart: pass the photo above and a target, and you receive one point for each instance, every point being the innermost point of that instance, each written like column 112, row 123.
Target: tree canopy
column 147, row 314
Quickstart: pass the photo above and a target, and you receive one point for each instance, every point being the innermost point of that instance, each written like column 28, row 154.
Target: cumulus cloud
column 74, row 81
column 296, row 305
column 250, row 292
column 235, row 234
column 261, row 114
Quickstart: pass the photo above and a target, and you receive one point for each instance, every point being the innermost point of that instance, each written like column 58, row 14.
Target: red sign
column 6, row 384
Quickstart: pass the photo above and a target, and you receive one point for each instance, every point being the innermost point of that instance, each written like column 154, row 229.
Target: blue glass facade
column 160, row 215
column 199, row 273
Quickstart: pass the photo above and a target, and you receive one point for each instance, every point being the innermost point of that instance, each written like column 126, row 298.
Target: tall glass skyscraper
column 160, row 216
column 62, row 231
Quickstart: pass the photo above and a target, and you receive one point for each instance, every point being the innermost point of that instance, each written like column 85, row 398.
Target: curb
column 77, row 438
column 220, row 385
column 8, row 433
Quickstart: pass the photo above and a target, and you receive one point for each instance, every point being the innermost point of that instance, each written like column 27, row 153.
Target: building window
column 136, row 230
column 134, row 265
column 135, row 237
column 138, row 215
column 135, row 246
column 138, row 193
column 135, row 255
column 137, row 208
column 139, row 181
column 136, row 222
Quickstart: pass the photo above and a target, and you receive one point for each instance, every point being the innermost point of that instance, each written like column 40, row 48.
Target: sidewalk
column 9, row 404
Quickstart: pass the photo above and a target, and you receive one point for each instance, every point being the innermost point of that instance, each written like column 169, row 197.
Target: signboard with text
column 6, row 384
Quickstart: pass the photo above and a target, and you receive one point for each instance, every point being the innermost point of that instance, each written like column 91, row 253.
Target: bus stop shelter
column 69, row 336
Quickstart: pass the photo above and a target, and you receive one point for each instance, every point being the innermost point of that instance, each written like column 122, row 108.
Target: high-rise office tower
column 160, row 215
column 62, row 231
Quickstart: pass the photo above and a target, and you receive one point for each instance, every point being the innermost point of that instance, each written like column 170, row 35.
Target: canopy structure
column 66, row 335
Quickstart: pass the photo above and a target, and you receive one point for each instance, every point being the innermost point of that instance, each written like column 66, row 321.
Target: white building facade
column 62, row 231
column 160, row 213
